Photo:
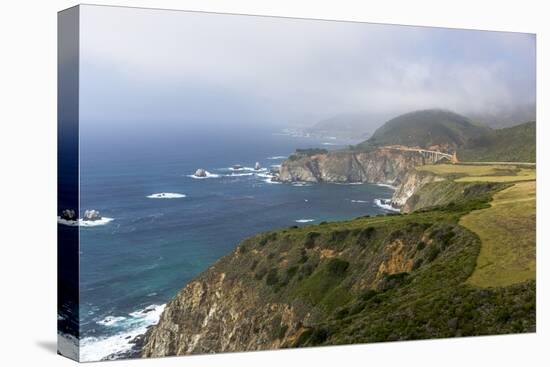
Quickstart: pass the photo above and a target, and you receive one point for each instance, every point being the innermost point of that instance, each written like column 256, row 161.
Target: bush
column 319, row 335
column 365, row 236
column 337, row 267
column 310, row 239
column 282, row 331
column 433, row 252
column 338, row 236
column 417, row 263
column 272, row 277
column 368, row 294
column 420, row 246
column 290, row 272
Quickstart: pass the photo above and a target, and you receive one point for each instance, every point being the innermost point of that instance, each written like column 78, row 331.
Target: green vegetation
column 507, row 232
column 506, row 228
column 396, row 277
column 514, row 144
column 299, row 153
column 429, row 128
column 481, row 173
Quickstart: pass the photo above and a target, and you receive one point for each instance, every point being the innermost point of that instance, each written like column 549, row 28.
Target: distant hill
column 437, row 129
column 347, row 126
column 506, row 116
column 513, row 144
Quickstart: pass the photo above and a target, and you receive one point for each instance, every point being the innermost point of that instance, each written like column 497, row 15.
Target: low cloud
column 177, row 66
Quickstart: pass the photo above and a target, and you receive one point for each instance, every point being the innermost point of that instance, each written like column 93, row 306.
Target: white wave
column 270, row 181
column 95, row 349
column 208, row 175
column 301, row 184
column 385, row 204
column 111, row 320
column 304, row 220
column 347, row 183
column 387, row 185
column 329, row 143
column 166, row 195
column 265, row 175
column 247, row 169
column 359, row 201
column 277, row 157
column 84, row 223
column 239, row 174
column 276, row 166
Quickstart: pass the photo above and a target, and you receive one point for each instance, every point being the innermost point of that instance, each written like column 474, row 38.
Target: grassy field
column 483, row 173
column 507, row 229
column 507, row 232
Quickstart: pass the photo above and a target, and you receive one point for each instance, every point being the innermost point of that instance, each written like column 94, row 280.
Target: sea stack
column 68, row 214
column 257, row 166
column 200, row 173
column 91, row 215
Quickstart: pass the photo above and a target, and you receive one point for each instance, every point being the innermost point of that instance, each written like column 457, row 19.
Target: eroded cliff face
column 272, row 288
column 376, row 166
column 219, row 313
column 411, row 182
column 370, row 279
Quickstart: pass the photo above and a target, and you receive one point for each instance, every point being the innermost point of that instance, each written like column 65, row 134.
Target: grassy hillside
column 506, row 228
column 507, row 233
column 383, row 278
column 429, row 128
column 514, row 144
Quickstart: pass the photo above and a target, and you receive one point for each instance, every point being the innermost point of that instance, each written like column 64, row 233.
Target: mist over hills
column 361, row 125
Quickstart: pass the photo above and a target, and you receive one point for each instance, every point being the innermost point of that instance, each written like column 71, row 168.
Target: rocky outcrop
column 376, row 166
column 411, row 182
column 68, row 214
column 91, row 215
column 200, row 172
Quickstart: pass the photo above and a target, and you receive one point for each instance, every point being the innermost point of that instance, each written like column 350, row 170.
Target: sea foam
column 304, row 220
column 166, row 195
column 111, row 320
column 94, row 349
column 84, row 223
column 385, row 204
column 208, row 175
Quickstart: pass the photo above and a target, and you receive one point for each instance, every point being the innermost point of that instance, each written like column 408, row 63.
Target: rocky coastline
column 378, row 166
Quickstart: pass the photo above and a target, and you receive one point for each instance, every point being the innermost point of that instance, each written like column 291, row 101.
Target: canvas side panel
column 68, row 182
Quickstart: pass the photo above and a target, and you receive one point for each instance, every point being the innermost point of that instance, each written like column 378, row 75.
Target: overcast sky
column 175, row 67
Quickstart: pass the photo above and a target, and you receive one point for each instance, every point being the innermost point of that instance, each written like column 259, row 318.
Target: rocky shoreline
column 378, row 166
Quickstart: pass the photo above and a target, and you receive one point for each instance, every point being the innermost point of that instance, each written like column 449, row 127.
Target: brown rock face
column 216, row 314
column 377, row 166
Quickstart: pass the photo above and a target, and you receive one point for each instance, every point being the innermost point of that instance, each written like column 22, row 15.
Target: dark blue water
column 134, row 264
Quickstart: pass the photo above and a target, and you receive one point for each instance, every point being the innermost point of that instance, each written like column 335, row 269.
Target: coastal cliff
column 375, row 166
column 365, row 280
column 381, row 165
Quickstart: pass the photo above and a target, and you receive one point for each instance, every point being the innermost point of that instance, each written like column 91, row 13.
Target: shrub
column 319, row 335
column 420, row 246
column 272, row 277
column 290, row 272
column 365, row 236
column 368, row 294
column 282, row 331
column 433, row 252
column 337, row 267
column 310, row 239
column 417, row 263
column 338, row 236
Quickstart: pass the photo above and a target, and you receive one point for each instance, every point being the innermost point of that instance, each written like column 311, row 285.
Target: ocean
column 162, row 226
